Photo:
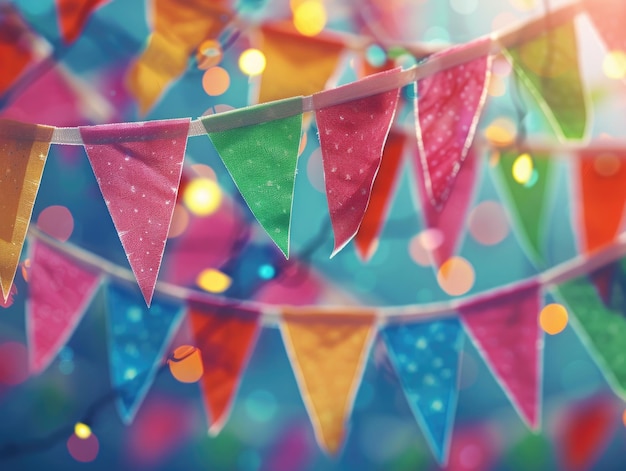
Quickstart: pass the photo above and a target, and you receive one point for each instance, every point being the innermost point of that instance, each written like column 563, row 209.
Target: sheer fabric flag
column 23, row 153
column 426, row 357
column 138, row 337
column 328, row 353
column 59, row 293
column 225, row 337
column 261, row 159
column 448, row 105
column 138, row 168
column 548, row 67
column 382, row 193
column 352, row 137
column 609, row 17
column 73, row 15
column 505, row 330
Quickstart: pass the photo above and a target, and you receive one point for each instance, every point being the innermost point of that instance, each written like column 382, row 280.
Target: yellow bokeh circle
column 186, row 364
column 309, row 17
column 252, row 62
column 553, row 318
column 213, row 281
column 456, row 276
column 202, row 196
column 82, row 431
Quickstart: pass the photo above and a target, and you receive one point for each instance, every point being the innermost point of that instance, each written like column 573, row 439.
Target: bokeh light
column 497, row 86
column 252, row 62
column 267, row 271
column 487, row 223
column 456, row 276
column 375, row 55
column 523, row 168
column 14, row 364
column 83, row 450
column 315, row 171
column 501, row 132
column 213, row 281
column 524, row 5
column 261, row 405
column 309, row 17
column 606, row 165
column 614, row 65
column 204, row 171
column 82, row 430
column 553, row 318
column 202, row 196
column 180, row 221
column 57, row 222
column 209, row 54
column 215, row 81
column 186, row 364
column 418, row 252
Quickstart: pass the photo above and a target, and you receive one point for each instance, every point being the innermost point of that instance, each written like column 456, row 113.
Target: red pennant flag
column 352, row 136
column 60, row 291
column 382, row 194
column 448, row 106
column 505, row 330
column 225, row 337
column 15, row 51
column 609, row 17
column 73, row 16
column 138, row 168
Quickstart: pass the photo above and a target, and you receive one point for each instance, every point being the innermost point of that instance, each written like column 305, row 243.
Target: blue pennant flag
column 138, row 337
column 426, row 359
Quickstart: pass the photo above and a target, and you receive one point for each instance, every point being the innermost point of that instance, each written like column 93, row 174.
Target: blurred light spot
column 204, row 171
column 202, row 196
column 303, row 141
column 66, row 353
column 501, row 132
column 464, row 7
column 209, row 54
column 606, row 165
column 25, row 269
column 85, row 450
column 66, row 367
column 523, row 169
column 267, row 271
column 497, row 87
column 437, row 35
column 215, row 81
column 213, row 281
column 315, row 171
column 180, row 221
column 494, row 158
column 487, row 223
column 375, row 55
column 252, row 62
column 13, row 363
column 186, row 364
column 57, row 222
column 405, row 61
column 417, row 251
column 534, row 178
column 431, row 239
column 309, row 17
column 524, row 5
column 261, row 405
column 501, row 67
column 614, row 65
column 456, row 276
column 553, row 318
column 82, row 431
column 471, row 456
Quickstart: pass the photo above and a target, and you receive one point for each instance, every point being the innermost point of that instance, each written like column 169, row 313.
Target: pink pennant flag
column 352, row 136
column 138, row 168
column 447, row 107
column 60, row 291
column 505, row 330
column 608, row 16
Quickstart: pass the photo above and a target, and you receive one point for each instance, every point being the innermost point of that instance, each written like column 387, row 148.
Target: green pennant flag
column 527, row 202
column 259, row 147
column 548, row 66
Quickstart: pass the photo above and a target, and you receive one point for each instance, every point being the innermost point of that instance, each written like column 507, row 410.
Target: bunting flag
column 382, row 194
column 289, row 54
column 261, row 159
column 448, row 105
column 60, row 292
column 426, row 357
column 225, row 337
column 23, row 153
column 138, row 168
column 16, row 56
column 505, row 330
column 138, row 338
column 528, row 202
column 328, row 353
column 352, row 137
column 608, row 16
column 73, row 15
column 548, row 66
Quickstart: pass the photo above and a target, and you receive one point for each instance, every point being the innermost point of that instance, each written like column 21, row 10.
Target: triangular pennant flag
column 505, row 330
column 426, row 357
column 59, row 293
column 225, row 337
column 138, row 168
column 609, row 17
column 382, row 193
column 73, row 15
column 289, row 54
column 352, row 137
column 448, row 105
column 261, row 159
column 548, row 66
column 23, row 152
column 138, row 338
column 15, row 51
column 528, row 201
column 328, row 353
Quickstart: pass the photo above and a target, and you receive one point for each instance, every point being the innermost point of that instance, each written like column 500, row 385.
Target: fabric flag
column 448, row 105
column 548, row 67
column 505, row 330
column 328, row 353
column 23, row 153
column 528, row 202
column 73, row 15
column 352, row 137
column 382, row 193
column 261, row 159
column 295, row 64
column 426, row 357
column 14, row 49
column 225, row 337
column 59, row 293
column 138, row 168
column 609, row 16
column 138, row 337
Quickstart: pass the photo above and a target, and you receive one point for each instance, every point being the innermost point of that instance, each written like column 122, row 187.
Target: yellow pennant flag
column 296, row 65
column 328, row 353
column 23, row 152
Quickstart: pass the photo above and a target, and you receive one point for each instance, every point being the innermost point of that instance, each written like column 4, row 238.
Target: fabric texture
column 73, row 15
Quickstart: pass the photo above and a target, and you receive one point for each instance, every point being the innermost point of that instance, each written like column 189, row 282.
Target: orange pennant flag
column 296, row 65
column 328, row 354
column 23, row 152
column 73, row 15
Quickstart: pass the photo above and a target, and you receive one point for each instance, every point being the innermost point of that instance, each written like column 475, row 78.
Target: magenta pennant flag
column 505, row 330
column 138, row 168
column 60, row 291
column 448, row 105
column 352, row 136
